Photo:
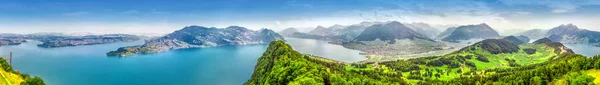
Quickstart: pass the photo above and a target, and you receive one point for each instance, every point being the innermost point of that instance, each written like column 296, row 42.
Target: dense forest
column 492, row 61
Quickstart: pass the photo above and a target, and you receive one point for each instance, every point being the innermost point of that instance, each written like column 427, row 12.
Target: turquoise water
column 323, row 48
column 584, row 49
column 88, row 65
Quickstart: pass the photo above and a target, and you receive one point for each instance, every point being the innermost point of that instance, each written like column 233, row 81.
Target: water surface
column 88, row 65
column 584, row 49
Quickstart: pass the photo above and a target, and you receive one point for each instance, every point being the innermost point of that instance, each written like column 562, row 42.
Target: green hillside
column 8, row 76
column 487, row 62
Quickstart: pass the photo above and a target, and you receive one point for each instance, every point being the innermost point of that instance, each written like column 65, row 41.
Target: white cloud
column 557, row 6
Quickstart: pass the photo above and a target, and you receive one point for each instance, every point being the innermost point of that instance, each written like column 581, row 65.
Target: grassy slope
column 596, row 74
column 13, row 78
column 495, row 60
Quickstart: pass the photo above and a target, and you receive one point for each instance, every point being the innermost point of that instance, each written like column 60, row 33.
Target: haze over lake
column 89, row 65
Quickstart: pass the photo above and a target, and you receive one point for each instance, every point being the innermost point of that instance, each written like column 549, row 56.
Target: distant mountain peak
column 564, row 29
column 484, row 24
column 319, row 27
column 567, row 26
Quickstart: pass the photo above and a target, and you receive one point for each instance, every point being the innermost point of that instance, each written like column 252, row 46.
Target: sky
column 165, row 16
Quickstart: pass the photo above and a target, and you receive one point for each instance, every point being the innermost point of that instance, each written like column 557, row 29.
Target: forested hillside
column 492, row 61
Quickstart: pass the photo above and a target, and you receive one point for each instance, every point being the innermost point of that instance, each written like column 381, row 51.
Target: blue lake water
column 584, row 49
column 88, row 65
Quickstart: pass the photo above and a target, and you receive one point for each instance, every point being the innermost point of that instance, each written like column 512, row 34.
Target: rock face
column 64, row 41
column 480, row 31
column 199, row 37
column 389, row 32
column 570, row 33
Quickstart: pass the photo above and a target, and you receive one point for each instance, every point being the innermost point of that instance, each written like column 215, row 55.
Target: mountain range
column 393, row 38
column 52, row 40
column 199, row 37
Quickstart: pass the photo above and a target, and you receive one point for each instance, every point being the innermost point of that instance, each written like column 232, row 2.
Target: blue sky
column 164, row 16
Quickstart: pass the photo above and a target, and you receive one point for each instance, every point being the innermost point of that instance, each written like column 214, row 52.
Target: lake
column 88, row 65
column 584, row 49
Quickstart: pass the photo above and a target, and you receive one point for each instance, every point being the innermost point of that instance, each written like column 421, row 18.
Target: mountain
column 446, row 32
column 389, row 32
column 570, row 33
column 288, row 31
column 393, row 38
column 563, row 30
column 322, row 31
column 534, row 33
column 491, row 61
column 480, row 31
column 423, row 28
column 199, row 37
column 336, row 32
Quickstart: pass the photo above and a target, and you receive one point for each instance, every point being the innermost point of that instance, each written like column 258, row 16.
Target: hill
column 516, row 40
column 480, row 31
column 280, row 64
column 199, row 37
